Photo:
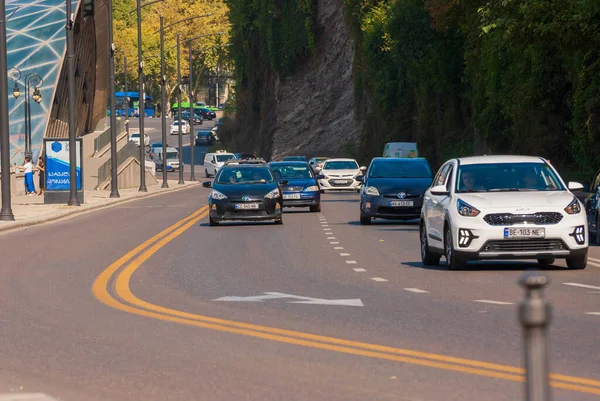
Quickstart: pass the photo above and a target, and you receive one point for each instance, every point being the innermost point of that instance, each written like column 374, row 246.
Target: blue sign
column 57, row 166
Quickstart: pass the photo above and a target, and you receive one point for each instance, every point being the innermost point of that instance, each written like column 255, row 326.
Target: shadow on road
column 489, row 266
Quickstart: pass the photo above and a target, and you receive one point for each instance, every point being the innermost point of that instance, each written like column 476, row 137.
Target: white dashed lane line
column 378, row 279
column 331, row 238
column 592, row 287
column 351, row 262
column 344, row 254
column 338, row 247
column 333, row 242
column 487, row 301
column 416, row 290
column 594, row 262
column 359, row 269
column 593, row 313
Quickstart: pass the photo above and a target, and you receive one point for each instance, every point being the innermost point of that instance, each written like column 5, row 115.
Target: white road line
column 417, row 290
column 594, row 259
column 593, row 287
column 378, row 279
column 327, row 229
column 333, row 242
column 344, row 254
column 487, row 301
column 359, row 269
column 331, row 238
column 594, row 264
column 338, row 247
column 593, row 313
column 351, row 262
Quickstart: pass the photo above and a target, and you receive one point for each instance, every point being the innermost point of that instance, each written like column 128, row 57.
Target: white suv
column 340, row 174
column 502, row 207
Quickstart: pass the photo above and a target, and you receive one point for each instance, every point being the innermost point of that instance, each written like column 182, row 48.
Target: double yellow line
column 119, row 275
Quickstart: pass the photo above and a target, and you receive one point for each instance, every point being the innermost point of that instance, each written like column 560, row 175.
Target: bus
column 134, row 99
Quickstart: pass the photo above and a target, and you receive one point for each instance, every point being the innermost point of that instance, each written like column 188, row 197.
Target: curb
column 95, row 208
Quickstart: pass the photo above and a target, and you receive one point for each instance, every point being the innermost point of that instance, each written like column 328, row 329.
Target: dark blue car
column 302, row 188
column 393, row 189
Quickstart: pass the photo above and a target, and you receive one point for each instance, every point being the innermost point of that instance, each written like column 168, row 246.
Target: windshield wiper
column 511, row 189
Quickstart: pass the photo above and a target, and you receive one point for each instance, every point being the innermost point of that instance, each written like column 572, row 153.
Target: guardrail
column 104, row 138
column 127, row 151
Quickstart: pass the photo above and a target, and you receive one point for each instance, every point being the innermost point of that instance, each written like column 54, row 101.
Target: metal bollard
column 535, row 314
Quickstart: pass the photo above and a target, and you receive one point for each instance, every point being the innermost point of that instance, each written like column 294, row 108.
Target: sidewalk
column 30, row 210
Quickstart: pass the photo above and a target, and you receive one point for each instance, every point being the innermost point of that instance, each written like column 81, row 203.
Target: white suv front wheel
column 427, row 257
column 454, row 262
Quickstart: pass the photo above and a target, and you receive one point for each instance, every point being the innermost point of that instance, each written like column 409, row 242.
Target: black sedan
column 207, row 114
column 244, row 190
column 204, row 138
column 393, row 188
column 197, row 118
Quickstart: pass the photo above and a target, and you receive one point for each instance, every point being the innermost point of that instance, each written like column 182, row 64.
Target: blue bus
column 134, row 99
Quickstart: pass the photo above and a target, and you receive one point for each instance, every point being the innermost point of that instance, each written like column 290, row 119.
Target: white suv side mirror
column 439, row 190
column 575, row 186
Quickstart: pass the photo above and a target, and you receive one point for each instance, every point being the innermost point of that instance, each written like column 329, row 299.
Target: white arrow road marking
column 593, row 287
column 487, row 301
column 301, row 299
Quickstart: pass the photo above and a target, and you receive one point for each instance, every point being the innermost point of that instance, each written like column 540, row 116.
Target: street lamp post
column 31, row 79
column 114, row 185
column 73, row 199
column 142, row 99
column 163, row 100
column 6, row 213
column 180, row 139
column 192, row 141
column 126, row 96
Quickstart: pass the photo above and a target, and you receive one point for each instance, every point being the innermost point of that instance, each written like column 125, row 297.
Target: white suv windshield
column 340, row 165
column 505, row 177
column 224, row 158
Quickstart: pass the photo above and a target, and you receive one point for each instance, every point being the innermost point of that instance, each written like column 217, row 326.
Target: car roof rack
column 246, row 161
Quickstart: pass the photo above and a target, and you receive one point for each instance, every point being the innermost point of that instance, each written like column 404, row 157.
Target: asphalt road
column 153, row 127
column 120, row 305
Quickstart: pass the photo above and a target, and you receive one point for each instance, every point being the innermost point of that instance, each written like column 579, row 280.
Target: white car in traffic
column 340, row 174
column 135, row 138
column 185, row 127
column 502, row 207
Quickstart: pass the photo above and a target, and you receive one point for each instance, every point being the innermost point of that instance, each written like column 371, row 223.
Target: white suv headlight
column 273, row 194
column 312, row 188
column 466, row 210
column 573, row 207
column 371, row 191
column 217, row 195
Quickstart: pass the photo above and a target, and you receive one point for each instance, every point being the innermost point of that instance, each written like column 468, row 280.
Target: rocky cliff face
column 316, row 107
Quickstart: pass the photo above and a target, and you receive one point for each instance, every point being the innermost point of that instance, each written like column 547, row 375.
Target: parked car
column 340, row 174
column 502, row 207
column 393, row 189
column 185, row 127
column 135, row 138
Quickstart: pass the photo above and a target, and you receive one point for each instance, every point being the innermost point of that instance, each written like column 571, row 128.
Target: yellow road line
column 122, row 289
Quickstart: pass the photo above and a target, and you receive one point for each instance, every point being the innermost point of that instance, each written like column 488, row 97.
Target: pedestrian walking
column 41, row 167
column 27, row 168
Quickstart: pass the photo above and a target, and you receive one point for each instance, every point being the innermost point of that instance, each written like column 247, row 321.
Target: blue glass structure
column 36, row 41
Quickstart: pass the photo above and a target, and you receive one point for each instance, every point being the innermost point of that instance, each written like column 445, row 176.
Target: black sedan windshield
column 245, row 175
column 400, row 169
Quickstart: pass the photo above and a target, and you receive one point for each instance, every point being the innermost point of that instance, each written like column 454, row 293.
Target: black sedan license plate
column 402, row 203
column 524, row 232
column 246, row 206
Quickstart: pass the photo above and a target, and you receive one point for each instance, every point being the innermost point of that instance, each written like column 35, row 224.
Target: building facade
column 36, row 42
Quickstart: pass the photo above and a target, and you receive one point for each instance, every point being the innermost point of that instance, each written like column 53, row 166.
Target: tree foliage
column 209, row 53
column 473, row 76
